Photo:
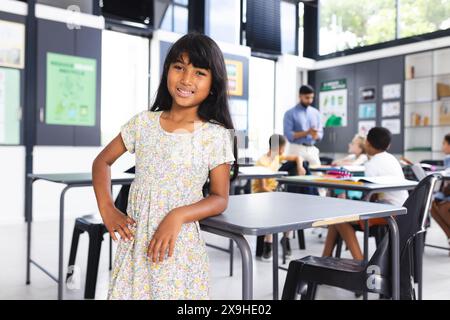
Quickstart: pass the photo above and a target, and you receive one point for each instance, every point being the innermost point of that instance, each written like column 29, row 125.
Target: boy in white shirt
column 381, row 163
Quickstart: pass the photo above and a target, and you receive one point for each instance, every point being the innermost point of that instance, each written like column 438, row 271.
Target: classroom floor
column 45, row 249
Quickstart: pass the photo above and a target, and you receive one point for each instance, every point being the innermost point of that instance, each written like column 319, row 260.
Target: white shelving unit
column 427, row 108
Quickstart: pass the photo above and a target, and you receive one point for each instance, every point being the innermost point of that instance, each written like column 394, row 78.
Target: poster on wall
column 9, row 106
column 333, row 103
column 392, row 91
column 393, row 125
column 367, row 110
column 235, row 74
column 71, row 90
column 12, row 44
column 390, row 109
column 365, row 126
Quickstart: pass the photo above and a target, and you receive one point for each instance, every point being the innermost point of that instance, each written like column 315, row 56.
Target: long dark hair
column 204, row 53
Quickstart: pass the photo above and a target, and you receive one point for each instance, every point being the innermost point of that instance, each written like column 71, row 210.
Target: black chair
column 93, row 225
column 95, row 228
column 326, row 161
column 411, row 172
column 439, row 163
column 305, row 274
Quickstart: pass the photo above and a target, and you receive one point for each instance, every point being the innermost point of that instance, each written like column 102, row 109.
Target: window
column 222, row 20
column 288, row 27
column 346, row 24
column 176, row 17
column 423, row 16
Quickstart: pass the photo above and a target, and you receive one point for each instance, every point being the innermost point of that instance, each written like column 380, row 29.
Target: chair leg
column 95, row 245
column 310, row 292
column 259, row 245
column 338, row 247
column 301, row 239
column 73, row 250
column 231, row 257
column 292, row 281
column 110, row 253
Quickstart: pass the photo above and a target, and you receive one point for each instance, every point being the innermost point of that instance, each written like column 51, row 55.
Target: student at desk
column 357, row 156
column 272, row 160
column 381, row 163
column 357, row 153
column 440, row 209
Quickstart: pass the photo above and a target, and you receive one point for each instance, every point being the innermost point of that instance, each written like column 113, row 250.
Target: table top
column 271, row 212
column 313, row 181
column 258, row 172
column 80, row 178
column 351, row 169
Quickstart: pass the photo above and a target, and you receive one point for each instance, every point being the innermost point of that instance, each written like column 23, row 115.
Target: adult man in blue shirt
column 303, row 127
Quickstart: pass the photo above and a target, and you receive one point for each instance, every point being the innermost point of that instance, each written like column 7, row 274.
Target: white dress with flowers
column 171, row 169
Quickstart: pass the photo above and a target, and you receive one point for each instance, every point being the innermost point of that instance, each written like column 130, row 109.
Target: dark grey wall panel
column 88, row 44
column 52, row 37
column 336, row 139
column 391, row 70
column 85, row 42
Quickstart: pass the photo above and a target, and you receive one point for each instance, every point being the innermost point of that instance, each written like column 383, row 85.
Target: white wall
column 260, row 105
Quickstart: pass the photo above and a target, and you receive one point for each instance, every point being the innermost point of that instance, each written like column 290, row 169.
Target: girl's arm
column 165, row 236
column 101, row 179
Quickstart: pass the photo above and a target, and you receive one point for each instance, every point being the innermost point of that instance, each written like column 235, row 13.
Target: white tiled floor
column 45, row 250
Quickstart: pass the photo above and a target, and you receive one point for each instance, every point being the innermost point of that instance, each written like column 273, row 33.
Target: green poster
column 9, row 106
column 71, row 90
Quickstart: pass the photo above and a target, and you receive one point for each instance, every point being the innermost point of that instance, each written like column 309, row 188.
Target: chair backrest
column 409, row 226
column 433, row 162
column 326, row 160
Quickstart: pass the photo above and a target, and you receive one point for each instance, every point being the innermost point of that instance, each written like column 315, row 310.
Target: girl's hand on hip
column 164, row 237
column 116, row 221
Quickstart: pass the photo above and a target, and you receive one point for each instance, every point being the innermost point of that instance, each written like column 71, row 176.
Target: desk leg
column 275, row 265
column 247, row 260
column 28, row 218
column 61, row 244
column 366, row 197
column 395, row 252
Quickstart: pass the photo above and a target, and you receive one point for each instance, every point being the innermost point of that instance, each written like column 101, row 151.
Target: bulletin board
column 70, row 90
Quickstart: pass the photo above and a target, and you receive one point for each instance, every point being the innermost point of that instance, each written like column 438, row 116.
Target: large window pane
column 166, row 23
column 423, row 16
column 288, row 25
column 222, row 20
column 180, row 22
column 347, row 24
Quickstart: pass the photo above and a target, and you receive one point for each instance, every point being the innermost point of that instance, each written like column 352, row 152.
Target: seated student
column 381, row 163
column 440, row 209
column 357, row 153
column 272, row 160
column 357, row 156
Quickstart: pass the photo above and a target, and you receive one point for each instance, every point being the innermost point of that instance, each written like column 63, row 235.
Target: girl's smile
column 187, row 84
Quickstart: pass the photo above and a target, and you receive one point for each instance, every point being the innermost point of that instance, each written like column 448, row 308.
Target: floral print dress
column 171, row 169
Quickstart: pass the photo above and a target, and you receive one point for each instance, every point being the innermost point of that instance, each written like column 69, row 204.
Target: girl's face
column 445, row 147
column 354, row 147
column 189, row 86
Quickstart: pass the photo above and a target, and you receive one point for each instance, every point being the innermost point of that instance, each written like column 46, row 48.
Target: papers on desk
column 381, row 180
column 353, row 180
column 256, row 170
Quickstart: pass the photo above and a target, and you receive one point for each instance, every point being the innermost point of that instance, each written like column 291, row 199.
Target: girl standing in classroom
column 182, row 140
